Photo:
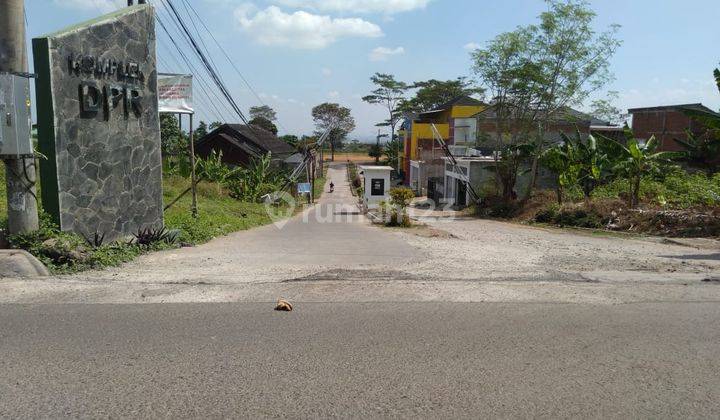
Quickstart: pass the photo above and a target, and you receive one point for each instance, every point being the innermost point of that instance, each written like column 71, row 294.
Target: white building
column 376, row 184
column 475, row 169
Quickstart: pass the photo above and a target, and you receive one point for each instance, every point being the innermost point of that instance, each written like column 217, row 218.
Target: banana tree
column 641, row 159
column 702, row 151
column 560, row 160
column 586, row 162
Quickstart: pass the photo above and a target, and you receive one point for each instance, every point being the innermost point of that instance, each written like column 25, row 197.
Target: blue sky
column 299, row 53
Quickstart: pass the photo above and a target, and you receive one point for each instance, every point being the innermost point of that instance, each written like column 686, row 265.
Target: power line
column 201, row 81
column 202, row 91
column 198, row 98
column 227, row 56
column 212, row 71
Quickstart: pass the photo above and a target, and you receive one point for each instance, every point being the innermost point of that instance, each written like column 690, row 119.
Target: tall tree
column 263, row 111
column 535, row 72
column 290, row 139
column 337, row 119
column 201, row 130
column 605, row 109
column 432, row 93
column 716, row 73
column 389, row 93
column 172, row 140
column 391, row 151
column 265, row 124
column 215, row 124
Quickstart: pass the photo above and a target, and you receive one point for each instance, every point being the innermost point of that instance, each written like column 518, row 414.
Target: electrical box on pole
column 15, row 122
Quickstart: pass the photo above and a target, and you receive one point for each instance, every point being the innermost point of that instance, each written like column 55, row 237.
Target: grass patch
column 218, row 213
column 3, row 197
column 320, row 184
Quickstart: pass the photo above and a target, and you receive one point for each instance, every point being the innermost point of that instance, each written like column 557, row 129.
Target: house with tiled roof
column 240, row 144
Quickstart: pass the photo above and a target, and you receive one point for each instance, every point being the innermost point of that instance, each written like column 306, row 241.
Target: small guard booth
column 376, row 184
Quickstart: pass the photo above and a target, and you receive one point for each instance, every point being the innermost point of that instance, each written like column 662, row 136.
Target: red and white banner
column 175, row 93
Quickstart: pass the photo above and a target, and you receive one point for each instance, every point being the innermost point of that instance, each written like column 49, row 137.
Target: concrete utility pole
column 19, row 172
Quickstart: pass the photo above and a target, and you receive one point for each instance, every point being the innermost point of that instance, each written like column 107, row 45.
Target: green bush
column 579, row 218
column 572, row 216
column 400, row 199
column 548, row 214
column 64, row 252
column 498, row 207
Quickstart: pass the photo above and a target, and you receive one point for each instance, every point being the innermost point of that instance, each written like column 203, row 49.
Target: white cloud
column 326, row 71
column 358, row 6
column 103, row 6
column 472, row 46
column 301, row 30
column 383, row 53
column 333, row 94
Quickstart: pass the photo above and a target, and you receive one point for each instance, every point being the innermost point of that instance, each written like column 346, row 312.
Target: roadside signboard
column 175, row 93
column 304, row 188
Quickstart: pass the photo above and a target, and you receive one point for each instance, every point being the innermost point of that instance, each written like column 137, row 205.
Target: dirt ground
column 353, row 157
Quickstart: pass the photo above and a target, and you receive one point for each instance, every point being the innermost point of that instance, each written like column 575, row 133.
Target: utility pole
column 20, row 171
column 379, row 136
column 193, row 175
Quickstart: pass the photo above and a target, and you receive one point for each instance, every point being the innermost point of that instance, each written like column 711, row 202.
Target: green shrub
column 400, row 199
column 548, row 214
column 498, row 207
column 570, row 216
column 579, row 218
column 64, row 252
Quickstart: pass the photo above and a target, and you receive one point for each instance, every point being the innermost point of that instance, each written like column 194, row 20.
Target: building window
column 465, row 130
column 377, row 187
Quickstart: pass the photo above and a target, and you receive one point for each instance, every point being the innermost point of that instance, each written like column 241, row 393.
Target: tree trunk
column 559, row 193
column 332, row 152
column 635, row 192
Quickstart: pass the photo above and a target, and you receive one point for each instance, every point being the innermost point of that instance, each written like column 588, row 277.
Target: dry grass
column 353, row 157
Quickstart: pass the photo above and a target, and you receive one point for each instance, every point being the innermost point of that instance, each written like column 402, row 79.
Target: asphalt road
column 425, row 360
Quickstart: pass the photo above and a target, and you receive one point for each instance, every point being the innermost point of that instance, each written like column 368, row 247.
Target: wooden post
column 193, row 178
column 19, row 172
column 313, row 162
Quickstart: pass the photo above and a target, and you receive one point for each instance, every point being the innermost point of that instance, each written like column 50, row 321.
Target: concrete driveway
column 330, row 253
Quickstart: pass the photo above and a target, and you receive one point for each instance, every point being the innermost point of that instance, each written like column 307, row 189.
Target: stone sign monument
column 98, row 124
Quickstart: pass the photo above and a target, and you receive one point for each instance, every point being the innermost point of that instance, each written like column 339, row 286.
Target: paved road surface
column 430, row 360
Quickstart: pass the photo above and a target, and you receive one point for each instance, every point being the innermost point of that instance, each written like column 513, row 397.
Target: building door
column 461, row 199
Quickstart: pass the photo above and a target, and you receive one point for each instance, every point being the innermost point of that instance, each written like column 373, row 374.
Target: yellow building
column 455, row 123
